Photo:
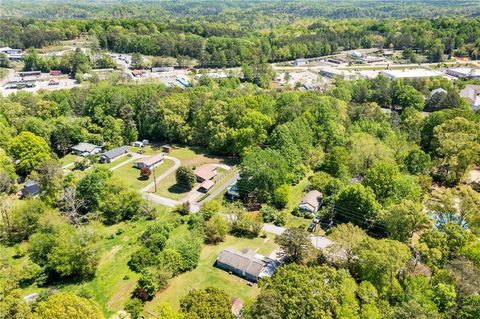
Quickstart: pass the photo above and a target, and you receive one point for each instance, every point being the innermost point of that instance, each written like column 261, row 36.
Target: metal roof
column 244, row 261
column 116, row 152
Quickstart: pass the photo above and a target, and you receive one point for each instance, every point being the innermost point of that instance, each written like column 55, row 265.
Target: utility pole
column 154, row 178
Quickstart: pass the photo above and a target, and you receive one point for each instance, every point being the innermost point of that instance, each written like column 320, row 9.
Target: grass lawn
column 115, row 163
column 189, row 156
column 68, row 159
column 206, row 274
column 131, row 175
column 297, row 193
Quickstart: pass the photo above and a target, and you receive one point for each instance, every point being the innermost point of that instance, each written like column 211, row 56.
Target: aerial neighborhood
column 239, row 159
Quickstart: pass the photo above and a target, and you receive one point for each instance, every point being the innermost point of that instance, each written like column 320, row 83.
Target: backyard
column 206, row 274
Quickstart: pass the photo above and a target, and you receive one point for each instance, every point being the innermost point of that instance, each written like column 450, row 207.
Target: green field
column 119, row 161
column 131, row 175
column 206, row 274
column 68, row 159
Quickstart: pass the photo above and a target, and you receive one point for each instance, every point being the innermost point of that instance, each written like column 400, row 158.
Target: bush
column 216, row 229
column 281, row 196
column 142, row 259
column 134, row 307
column 185, row 177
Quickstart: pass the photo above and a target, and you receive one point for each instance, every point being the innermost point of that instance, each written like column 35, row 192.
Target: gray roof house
column 472, row 94
column 30, row 189
column 113, row 154
column 86, row 149
column 311, row 202
column 246, row 264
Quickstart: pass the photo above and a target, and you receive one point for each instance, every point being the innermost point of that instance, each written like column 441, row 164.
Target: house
column 246, row 264
column 138, row 72
column 311, row 202
column 150, row 162
column 472, row 94
column 9, row 51
column 184, row 83
column 438, row 91
column 55, row 72
column 29, row 73
column 356, row 55
column 166, row 148
column 205, row 172
column 163, row 69
column 206, row 186
column 137, row 144
column 30, row 189
column 300, row 62
column 113, row 154
column 86, row 149
column 232, row 192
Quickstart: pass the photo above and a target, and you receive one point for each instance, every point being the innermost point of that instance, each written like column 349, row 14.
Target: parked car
column 312, row 227
column 316, row 220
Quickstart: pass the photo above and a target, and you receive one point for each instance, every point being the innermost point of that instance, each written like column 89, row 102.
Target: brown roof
column 207, row 184
column 137, row 72
column 152, row 160
column 311, row 198
column 206, row 172
column 244, row 261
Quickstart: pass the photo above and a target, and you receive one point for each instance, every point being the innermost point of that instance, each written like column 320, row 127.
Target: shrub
column 185, row 177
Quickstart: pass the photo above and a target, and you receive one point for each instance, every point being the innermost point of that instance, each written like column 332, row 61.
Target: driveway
column 318, row 242
column 172, row 169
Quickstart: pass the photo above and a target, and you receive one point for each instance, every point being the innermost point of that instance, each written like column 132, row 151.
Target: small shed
column 166, row 148
column 137, row 144
column 138, row 72
column 55, row 72
column 311, row 202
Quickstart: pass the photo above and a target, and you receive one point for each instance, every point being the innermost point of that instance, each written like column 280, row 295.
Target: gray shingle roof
column 243, row 261
column 113, row 153
column 85, row 147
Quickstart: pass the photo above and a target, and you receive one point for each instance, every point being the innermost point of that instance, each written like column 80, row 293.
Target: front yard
column 131, row 175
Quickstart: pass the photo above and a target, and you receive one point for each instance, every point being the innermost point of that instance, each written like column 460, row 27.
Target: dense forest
column 225, row 10
column 226, row 45
column 394, row 161
column 280, row 138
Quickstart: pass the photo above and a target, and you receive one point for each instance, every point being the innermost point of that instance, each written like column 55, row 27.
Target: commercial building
column 464, row 73
column 409, row 74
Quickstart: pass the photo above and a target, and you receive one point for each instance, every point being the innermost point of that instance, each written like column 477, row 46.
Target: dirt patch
column 125, row 289
column 110, row 255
